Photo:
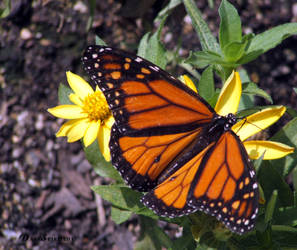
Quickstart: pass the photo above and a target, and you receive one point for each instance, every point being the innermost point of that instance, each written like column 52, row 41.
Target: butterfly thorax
column 219, row 125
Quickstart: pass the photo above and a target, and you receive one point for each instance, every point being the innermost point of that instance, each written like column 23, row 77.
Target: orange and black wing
column 144, row 99
column 219, row 181
column 156, row 116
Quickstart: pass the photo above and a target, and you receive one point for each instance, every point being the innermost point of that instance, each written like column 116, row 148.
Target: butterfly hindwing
column 219, row 181
column 141, row 160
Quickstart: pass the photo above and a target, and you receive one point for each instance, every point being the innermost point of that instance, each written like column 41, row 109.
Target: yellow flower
column 89, row 116
column 228, row 102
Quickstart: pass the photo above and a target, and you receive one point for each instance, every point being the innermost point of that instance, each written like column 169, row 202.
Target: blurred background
column 44, row 181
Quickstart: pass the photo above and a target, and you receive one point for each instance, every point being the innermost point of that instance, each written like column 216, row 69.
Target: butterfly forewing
column 144, row 99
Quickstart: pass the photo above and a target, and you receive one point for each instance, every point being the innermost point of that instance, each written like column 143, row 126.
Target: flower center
column 96, row 107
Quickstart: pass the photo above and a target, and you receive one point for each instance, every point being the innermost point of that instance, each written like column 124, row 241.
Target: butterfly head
column 230, row 120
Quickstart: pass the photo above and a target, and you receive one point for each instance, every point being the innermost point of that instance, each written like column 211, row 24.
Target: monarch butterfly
column 169, row 142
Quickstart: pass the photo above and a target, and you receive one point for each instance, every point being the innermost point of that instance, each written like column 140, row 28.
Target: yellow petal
column 65, row 127
column 77, row 130
column 79, row 85
column 189, row 83
column 109, row 122
column 103, row 140
column 273, row 150
column 91, row 133
column 230, row 95
column 257, row 122
column 75, row 99
column 67, row 112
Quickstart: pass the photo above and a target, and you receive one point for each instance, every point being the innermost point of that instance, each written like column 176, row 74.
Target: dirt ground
column 44, row 181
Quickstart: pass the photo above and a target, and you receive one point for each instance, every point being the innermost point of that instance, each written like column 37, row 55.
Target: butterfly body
column 169, row 142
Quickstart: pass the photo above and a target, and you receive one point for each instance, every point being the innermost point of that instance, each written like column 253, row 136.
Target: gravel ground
column 40, row 174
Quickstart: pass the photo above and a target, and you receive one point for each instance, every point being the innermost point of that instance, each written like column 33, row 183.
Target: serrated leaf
column 119, row 215
column 101, row 167
column 120, row 196
column 143, row 44
column 63, row 94
column 230, row 25
column 207, row 39
column 99, row 41
column 253, row 89
column 155, row 51
column 206, row 84
column 267, row 40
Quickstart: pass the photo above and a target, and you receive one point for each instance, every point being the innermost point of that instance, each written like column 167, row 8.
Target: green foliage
column 92, row 7
column 4, row 12
column 277, row 220
column 63, row 94
column 101, row 167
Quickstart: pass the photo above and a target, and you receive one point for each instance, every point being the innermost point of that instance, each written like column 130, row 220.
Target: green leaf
column 143, row 45
column 169, row 7
column 230, row 26
column 271, row 206
column 246, row 102
column 234, row 51
column 119, row 215
column 285, row 237
column 120, row 196
column 155, row 51
column 253, row 89
column 207, row 40
column 152, row 237
column 286, row 135
column 286, row 216
column 101, row 167
column 189, row 68
column 271, row 180
column 268, row 40
column 92, row 5
column 257, row 163
column 4, row 12
column 206, row 84
column 99, row 41
column 294, row 177
column 146, row 243
column 295, row 89
column 201, row 59
column 244, row 76
column 292, row 112
column 63, row 94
